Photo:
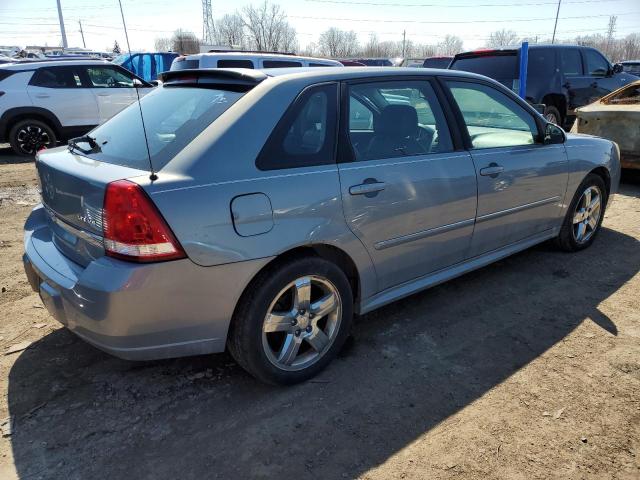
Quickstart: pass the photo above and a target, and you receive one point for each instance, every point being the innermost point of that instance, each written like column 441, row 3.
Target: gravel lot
column 529, row 368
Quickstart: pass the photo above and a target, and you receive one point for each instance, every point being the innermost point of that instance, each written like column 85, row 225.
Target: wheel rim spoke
column 324, row 306
column 289, row 349
column 318, row 340
column 302, row 294
column 581, row 231
column 278, row 322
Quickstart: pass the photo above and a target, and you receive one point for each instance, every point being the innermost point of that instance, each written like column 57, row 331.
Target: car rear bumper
column 136, row 311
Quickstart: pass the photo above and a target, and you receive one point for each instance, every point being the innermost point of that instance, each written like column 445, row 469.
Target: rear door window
column 570, row 62
column 280, row 64
column 306, row 134
column 229, row 63
column 503, row 68
column 597, row 66
column 56, row 77
column 542, row 62
column 408, row 120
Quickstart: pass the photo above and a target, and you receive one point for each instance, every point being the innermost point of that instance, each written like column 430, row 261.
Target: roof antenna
column 153, row 175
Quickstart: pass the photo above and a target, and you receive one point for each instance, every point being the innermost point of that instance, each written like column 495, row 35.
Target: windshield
column 120, row 59
column 173, row 117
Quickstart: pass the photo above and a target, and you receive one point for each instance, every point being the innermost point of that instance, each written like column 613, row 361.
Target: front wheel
column 552, row 114
column 292, row 321
column 584, row 217
column 29, row 136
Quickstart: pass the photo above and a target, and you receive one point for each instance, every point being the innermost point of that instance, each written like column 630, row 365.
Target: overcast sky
column 31, row 22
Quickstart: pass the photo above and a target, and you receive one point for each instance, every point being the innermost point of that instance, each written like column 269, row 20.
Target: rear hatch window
column 173, row 117
column 501, row 66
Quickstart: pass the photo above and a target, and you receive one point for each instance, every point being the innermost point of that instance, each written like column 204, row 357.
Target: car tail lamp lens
column 133, row 228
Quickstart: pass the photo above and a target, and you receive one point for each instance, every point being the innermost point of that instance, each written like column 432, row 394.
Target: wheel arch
column 603, row 173
column 13, row 115
column 559, row 101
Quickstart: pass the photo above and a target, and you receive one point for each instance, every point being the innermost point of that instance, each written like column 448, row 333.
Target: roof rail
column 250, row 51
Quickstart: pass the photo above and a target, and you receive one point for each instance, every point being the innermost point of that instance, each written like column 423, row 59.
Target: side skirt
column 408, row 288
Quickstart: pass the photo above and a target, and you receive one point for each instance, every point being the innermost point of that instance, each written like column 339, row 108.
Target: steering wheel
column 425, row 137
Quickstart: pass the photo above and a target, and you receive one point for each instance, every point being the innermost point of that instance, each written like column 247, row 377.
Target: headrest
column 317, row 108
column 397, row 120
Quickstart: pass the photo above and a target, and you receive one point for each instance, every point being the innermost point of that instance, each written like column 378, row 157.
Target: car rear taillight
column 133, row 228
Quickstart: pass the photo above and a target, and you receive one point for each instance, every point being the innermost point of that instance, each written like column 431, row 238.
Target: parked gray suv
column 265, row 209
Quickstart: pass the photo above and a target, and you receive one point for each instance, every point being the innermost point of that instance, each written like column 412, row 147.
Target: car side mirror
column 553, row 134
column 617, row 68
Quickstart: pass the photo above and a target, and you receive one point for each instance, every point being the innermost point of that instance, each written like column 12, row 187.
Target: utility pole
column 62, row 32
column 555, row 25
column 611, row 30
column 82, row 33
column 404, row 42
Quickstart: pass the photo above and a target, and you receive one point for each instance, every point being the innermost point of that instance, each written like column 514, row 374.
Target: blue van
column 146, row 65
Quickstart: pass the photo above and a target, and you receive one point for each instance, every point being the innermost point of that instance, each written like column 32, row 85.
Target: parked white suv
column 254, row 60
column 42, row 102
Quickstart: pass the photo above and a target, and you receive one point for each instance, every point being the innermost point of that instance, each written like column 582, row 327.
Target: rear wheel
column 584, row 217
column 292, row 321
column 30, row 135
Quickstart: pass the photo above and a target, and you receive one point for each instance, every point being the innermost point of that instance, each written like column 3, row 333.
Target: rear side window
column 235, row 64
column 280, row 64
column 596, row 64
column 570, row 62
column 173, row 117
column 306, row 134
column 542, row 62
column 56, row 77
column 5, row 74
column 503, row 68
column 321, row 65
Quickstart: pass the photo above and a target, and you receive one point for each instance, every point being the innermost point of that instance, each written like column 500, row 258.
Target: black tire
column 30, row 135
column 552, row 114
column 245, row 339
column 566, row 240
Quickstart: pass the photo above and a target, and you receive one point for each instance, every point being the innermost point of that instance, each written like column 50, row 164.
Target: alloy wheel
column 302, row 323
column 551, row 117
column 32, row 138
column 586, row 217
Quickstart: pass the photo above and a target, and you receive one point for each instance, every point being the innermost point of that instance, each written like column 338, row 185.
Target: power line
column 440, row 5
column 443, row 22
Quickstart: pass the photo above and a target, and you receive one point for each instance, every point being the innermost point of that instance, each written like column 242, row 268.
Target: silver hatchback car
column 261, row 211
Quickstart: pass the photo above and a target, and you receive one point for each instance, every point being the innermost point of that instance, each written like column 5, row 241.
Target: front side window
column 280, row 64
column 56, row 77
column 570, row 62
column 396, row 119
column 305, row 136
column 106, row 77
column 492, row 118
column 628, row 96
column 597, row 66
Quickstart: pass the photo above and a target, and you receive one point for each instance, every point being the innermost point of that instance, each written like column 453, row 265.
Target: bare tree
column 450, row 45
column 184, row 42
column 162, row 44
column 338, row 43
column 229, row 30
column 268, row 28
column 502, row 38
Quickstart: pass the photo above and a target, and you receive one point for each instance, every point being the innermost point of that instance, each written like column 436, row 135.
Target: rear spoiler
column 234, row 78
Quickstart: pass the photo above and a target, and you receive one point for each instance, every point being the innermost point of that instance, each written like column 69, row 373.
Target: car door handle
column 43, row 95
column 493, row 170
column 367, row 188
column 594, row 85
column 102, row 94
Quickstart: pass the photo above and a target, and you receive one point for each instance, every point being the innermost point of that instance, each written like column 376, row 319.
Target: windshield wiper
column 95, row 148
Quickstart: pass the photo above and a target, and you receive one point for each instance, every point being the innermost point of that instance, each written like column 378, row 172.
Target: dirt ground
column 526, row 369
